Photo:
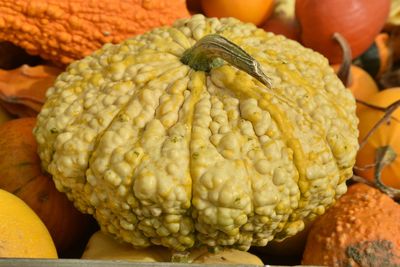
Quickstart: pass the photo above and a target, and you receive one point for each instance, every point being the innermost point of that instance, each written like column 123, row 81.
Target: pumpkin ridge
column 145, row 228
column 279, row 117
column 79, row 101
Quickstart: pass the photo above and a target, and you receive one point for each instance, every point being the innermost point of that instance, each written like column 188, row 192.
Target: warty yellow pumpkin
column 209, row 132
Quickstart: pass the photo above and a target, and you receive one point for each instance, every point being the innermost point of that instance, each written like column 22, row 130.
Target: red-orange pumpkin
column 359, row 21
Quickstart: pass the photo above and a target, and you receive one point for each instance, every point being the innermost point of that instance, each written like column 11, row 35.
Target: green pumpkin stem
column 210, row 51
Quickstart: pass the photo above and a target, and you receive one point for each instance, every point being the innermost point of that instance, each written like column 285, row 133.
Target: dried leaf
column 23, row 90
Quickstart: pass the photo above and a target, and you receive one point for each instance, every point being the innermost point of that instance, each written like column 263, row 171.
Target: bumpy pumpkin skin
column 160, row 153
column 361, row 229
column 63, row 31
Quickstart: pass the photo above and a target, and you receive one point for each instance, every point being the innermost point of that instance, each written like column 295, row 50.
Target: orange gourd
column 63, row 31
column 359, row 21
column 254, row 11
column 377, row 60
column 384, row 53
column 361, row 229
column 387, row 134
column 361, row 84
column 21, row 174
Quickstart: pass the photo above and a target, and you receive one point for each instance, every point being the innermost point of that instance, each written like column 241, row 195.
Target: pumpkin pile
column 201, row 131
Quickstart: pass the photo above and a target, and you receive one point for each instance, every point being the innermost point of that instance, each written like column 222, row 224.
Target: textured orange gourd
column 63, row 31
column 361, row 229
column 387, row 134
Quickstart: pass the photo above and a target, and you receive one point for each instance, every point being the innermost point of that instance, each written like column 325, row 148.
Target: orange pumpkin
column 254, row 11
column 377, row 60
column 361, row 229
column 360, row 83
column 21, row 174
column 359, row 21
column 387, row 134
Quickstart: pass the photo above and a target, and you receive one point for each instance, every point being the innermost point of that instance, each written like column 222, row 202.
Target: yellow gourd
column 211, row 132
column 23, row 234
column 104, row 247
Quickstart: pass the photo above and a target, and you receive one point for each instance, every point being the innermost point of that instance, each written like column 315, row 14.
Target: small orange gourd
column 360, row 83
column 361, row 229
column 377, row 60
column 254, row 11
column 386, row 134
column 63, row 31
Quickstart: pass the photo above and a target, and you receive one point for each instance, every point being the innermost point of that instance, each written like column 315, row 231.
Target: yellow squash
column 178, row 137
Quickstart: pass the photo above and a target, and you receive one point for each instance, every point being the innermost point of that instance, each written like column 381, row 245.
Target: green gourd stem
column 210, row 51
column 180, row 257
